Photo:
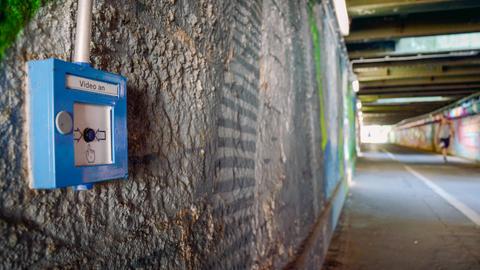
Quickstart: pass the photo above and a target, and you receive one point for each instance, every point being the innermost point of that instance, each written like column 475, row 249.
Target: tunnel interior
column 412, row 57
column 413, row 201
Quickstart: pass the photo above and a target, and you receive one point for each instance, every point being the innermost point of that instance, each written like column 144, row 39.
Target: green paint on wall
column 351, row 121
column 14, row 15
column 341, row 150
column 341, row 120
column 318, row 69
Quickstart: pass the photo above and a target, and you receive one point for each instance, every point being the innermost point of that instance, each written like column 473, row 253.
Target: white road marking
column 390, row 155
column 464, row 209
column 467, row 211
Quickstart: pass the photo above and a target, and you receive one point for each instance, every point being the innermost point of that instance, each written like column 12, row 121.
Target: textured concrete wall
column 235, row 118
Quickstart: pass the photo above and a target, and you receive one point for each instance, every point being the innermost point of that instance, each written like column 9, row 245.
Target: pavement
column 407, row 209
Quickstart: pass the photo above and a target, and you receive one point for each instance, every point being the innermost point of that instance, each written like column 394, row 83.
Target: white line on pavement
column 390, row 155
column 464, row 209
column 467, row 211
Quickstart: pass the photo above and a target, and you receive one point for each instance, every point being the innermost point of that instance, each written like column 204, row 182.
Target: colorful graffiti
column 317, row 50
column 419, row 137
column 467, row 140
column 337, row 123
column 465, row 143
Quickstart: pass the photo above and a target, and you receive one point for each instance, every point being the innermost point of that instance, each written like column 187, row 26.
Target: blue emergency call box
column 77, row 122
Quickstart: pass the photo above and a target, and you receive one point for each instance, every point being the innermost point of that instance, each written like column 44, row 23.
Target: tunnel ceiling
column 412, row 57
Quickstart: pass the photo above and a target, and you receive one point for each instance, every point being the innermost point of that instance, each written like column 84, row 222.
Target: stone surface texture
column 226, row 167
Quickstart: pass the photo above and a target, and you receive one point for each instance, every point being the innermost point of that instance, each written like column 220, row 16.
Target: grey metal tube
column 84, row 32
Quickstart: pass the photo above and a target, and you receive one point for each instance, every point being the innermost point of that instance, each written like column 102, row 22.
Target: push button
column 88, row 135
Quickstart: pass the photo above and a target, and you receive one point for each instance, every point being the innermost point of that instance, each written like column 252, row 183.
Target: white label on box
column 83, row 84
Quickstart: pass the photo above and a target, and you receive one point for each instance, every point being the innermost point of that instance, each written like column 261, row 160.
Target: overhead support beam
column 388, row 54
column 380, row 121
column 373, row 98
column 421, row 81
column 367, row 114
column 417, row 57
column 415, row 111
column 375, row 74
column 445, row 61
column 434, row 23
column 389, row 114
column 368, row 8
column 445, row 87
column 386, row 119
column 371, row 49
column 437, row 44
column 384, row 94
column 427, row 93
column 392, row 116
column 452, row 92
column 372, row 52
column 401, row 106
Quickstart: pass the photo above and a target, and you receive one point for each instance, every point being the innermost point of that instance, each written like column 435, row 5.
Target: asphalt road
column 408, row 210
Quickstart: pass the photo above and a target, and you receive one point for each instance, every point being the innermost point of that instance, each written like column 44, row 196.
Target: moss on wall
column 14, row 15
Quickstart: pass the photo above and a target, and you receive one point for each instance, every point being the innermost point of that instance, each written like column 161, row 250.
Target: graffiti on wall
column 332, row 85
column 466, row 141
column 419, row 137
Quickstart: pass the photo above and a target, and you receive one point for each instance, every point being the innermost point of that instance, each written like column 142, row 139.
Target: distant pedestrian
column 445, row 133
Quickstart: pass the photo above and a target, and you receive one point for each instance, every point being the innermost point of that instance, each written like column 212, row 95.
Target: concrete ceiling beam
column 432, row 23
column 421, row 81
column 373, row 98
column 375, row 74
column 446, row 61
column 400, row 106
column 418, row 93
column 418, row 88
column 368, row 8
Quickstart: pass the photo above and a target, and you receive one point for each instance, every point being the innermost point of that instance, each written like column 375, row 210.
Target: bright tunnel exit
column 375, row 133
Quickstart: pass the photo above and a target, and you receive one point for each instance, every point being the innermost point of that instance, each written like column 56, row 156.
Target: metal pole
column 84, row 32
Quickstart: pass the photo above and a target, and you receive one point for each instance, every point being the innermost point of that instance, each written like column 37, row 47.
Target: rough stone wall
column 226, row 166
column 287, row 164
